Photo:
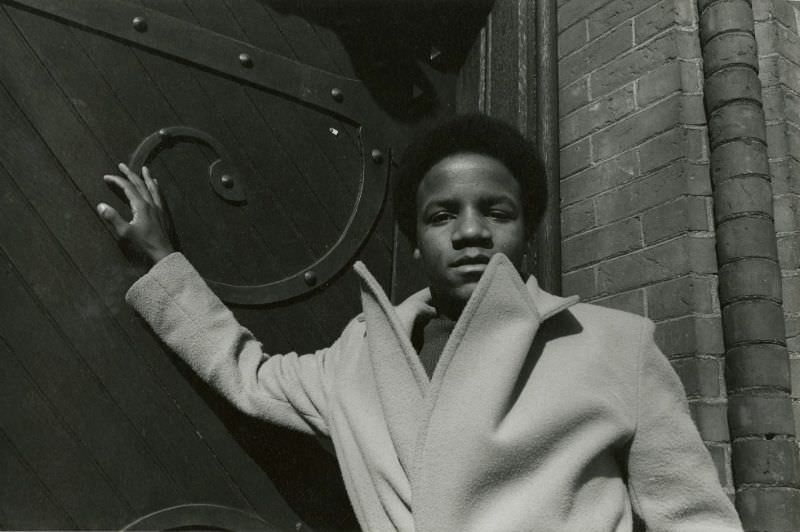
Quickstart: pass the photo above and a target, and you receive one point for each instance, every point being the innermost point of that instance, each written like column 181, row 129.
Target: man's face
column 469, row 207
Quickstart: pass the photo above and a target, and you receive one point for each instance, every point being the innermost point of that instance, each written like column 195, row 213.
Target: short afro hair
column 470, row 133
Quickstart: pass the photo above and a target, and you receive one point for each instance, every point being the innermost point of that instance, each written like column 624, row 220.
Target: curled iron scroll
column 227, row 183
column 224, row 179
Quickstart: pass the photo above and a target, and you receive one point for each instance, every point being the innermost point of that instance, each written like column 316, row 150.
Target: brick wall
column 777, row 25
column 636, row 195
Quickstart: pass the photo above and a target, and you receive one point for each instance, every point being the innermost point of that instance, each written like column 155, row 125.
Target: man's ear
column 416, row 254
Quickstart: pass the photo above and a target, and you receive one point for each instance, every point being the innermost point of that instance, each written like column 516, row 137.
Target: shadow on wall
column 392, row 43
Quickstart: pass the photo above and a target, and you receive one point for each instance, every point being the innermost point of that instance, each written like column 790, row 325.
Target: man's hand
column 148, row 229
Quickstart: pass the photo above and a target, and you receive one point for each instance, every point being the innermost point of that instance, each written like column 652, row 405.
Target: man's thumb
column 112, row 219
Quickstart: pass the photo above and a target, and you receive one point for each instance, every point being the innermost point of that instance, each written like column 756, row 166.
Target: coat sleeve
column 672, row 480
column 288, row 389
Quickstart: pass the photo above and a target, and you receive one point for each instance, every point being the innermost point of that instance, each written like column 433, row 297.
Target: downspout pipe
column 548, row 239
column 764, row 456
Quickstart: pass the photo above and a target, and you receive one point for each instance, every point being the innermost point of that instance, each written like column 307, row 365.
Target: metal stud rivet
column 139, row 23
column 227, row 181
column 310, row 278
column 245, row 60
column 337, row 94
column 377, row 156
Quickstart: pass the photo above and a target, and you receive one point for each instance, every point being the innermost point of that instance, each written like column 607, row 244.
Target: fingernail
column 122, row 165
column 101, row 208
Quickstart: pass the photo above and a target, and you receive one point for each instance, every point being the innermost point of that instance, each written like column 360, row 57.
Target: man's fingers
column 134, row 178
column 131, row 192
column 112, row 219
column 152, row 187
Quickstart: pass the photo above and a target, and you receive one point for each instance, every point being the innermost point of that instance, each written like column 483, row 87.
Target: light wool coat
column 542, row 414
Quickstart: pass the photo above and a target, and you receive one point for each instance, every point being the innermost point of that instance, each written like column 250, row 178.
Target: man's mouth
column 470, row 264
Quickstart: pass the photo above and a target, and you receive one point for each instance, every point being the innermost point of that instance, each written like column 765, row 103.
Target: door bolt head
column 337, row 94
column 245, row 60
column 227, row 181
column 140, row 24
column 310, row 277
column 377, row 156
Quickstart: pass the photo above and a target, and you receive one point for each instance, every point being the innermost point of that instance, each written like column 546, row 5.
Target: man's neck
column 448, row 308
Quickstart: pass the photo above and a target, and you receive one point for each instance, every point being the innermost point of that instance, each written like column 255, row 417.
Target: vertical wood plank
column 471, row 81
column 25, row 502
column 145, row 472
column 55, row 455
column 78, row 399
column 130, row 375
column 503, row 101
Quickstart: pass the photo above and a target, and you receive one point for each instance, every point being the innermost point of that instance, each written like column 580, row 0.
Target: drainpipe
column 548, row 238
column 764, row 458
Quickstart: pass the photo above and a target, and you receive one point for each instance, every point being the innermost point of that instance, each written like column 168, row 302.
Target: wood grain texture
column 55, row 453
column 27, row 503
column 31, row 163
column 169, row 444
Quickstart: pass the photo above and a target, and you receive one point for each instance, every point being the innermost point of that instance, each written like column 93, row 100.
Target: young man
column 482, row 403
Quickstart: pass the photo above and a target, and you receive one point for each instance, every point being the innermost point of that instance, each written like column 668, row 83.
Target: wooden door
column 271, row 133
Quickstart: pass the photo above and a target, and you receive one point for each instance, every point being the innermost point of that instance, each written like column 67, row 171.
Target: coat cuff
column 158, row 288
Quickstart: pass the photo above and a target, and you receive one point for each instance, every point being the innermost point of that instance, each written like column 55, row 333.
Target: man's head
column 468, row 189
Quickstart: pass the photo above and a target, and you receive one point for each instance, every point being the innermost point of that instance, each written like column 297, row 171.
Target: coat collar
column 418, row 305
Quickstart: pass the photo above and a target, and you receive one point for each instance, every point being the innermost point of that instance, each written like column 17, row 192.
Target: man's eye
column 440, row 217
column 500, row 215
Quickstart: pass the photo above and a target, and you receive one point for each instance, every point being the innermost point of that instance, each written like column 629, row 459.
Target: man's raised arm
column 288, row 390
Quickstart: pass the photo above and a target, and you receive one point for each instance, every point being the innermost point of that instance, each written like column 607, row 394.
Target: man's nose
column 471, row 230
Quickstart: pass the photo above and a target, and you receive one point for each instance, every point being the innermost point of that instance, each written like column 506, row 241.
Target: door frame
column 511, row 73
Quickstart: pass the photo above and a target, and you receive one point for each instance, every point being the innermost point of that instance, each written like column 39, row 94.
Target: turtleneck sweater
column 429, row 340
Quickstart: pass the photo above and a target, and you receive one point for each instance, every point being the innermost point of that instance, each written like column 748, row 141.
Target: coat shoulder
column 612, row 320
column 614, row 332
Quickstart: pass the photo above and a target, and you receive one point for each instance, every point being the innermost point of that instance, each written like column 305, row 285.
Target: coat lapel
column 472, row 390
column 399, row 376
column 442, row 421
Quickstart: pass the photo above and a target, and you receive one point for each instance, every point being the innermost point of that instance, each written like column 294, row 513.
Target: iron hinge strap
column 158, row 31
